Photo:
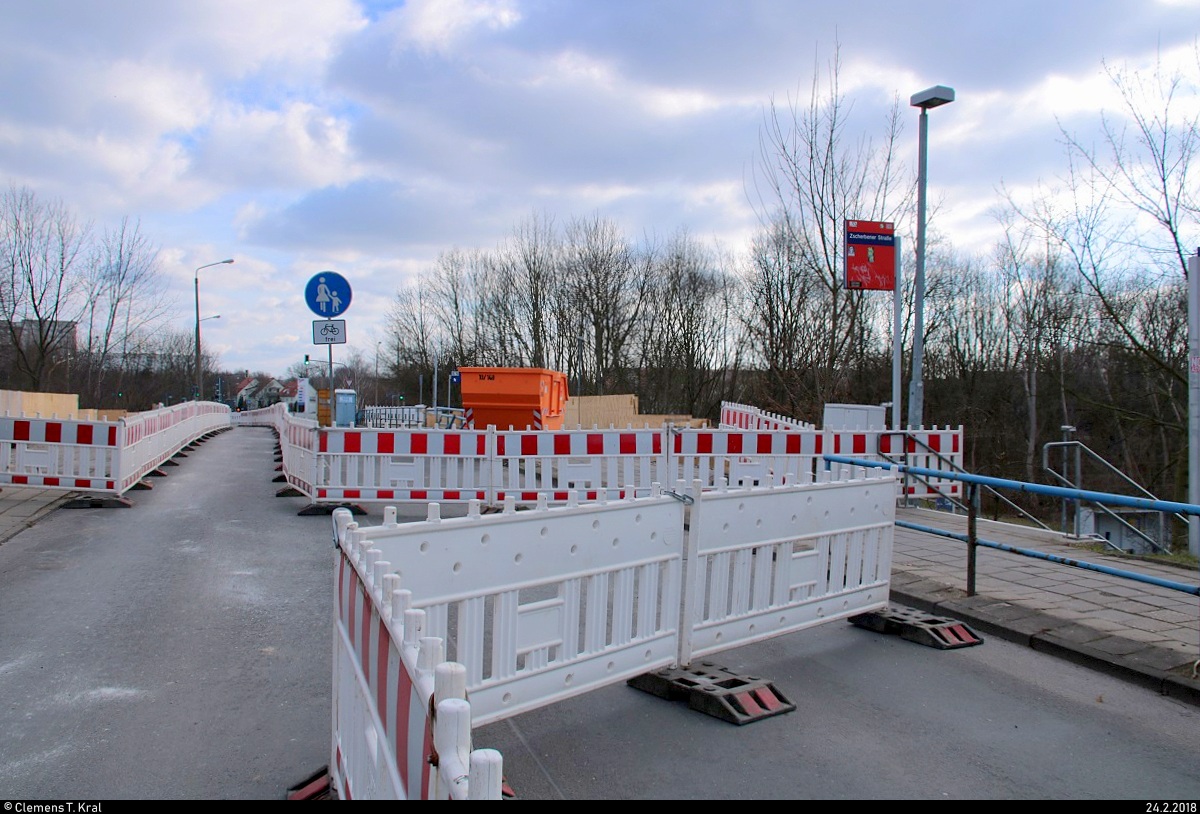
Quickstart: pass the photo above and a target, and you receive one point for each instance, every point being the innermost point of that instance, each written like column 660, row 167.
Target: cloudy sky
column 367, row 137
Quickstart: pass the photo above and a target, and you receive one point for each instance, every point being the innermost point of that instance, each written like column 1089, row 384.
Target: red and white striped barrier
column 60, row 454
column 401, row 722
column 596, row 464
column 744, row 417
column 402, row 465
column 744, row 458
column 100, row 456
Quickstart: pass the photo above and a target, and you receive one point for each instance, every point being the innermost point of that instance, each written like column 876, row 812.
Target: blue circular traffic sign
column 327, row 294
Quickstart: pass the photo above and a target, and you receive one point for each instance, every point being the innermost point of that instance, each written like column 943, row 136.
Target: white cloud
column 439, row 25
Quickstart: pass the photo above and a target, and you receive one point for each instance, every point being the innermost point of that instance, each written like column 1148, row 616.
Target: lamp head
column 936, row 96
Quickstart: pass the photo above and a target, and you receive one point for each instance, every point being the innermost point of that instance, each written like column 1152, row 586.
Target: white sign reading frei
column 329, row 331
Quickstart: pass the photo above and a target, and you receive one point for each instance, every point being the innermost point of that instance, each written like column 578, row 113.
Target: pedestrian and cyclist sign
column 329, row 332
column 327, row 294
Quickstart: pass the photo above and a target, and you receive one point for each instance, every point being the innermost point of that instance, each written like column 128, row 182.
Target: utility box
column 513, row 397
column 854, row 417
column 345, row 406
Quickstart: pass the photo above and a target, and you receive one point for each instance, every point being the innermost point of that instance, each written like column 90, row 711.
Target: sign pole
column 1193, row 282
column 897, row 290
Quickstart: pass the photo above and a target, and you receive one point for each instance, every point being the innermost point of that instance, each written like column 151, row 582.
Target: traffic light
column 306, row 360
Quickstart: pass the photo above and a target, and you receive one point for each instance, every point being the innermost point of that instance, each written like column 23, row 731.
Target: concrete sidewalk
column 1144, row 633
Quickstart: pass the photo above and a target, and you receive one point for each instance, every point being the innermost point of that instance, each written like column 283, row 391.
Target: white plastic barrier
column 596, row 464
column 400, row 465
column 744, row 417
column 58, row 454
column 768, row 561
column 744, row 458
column 387, row 678
column 101, row 456
column 151, row 438
column 542, row 605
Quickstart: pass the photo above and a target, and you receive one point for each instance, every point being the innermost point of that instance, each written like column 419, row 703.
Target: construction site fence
column 102, row 457
column 366, row 465
column 528, row 608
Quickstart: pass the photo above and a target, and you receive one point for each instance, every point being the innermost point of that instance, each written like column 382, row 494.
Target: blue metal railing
column 972, row 539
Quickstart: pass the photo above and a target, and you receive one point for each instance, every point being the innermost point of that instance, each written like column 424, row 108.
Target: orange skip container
column 513, row 397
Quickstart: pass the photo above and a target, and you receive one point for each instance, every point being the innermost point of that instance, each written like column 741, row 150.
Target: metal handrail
column 1062, row 478
column 955, row 468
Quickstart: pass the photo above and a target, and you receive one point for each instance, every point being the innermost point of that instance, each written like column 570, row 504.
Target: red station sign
column 870, row 256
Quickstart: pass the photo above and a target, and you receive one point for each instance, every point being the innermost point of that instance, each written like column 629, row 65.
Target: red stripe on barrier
column 454, row 495
column 885, row 444
column 108, row 484
column 733, row 444
column 768, row 699
column 381, row 669
column 112, row 436
column 481, row 445
column 364, row 633
column 452, row 445
column 704, row 443
column 352, row 442
column 351, row 493
column 420, row 494
column 323, row 441
column 592, row 496
column 529, row 496
column 20, row 479
column 749, row 705
column 955, row 445
column 837, row 445
column 627, row 444
column 595, row 444
column 935, row 442
column 562, row 444
column 52, row 482
column 529, row 445
column 658, row 443
column 321, row 493
column 385, row 443
column 764, row 443
column 559, row 496
column 860, row 444
column 386, row 494
column 54, row 433
column 420, row 443
column 819, row 443
column 20, row 430
column 499, row 445
column 792, row 445
column 83, row 433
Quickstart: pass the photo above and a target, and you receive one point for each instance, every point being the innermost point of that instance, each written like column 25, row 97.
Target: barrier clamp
column 716, row 691
column 920, row 627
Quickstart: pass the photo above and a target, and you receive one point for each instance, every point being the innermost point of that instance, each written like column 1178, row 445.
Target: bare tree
column 41, row 247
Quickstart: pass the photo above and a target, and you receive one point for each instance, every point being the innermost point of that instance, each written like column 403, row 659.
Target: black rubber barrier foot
column 716, row 691
column 99, row 503
column 920, row 627
column 314, row 787
column 169, row 462
column 142, row 485
column 328, row 508
column 288, row 491
column 279, row 478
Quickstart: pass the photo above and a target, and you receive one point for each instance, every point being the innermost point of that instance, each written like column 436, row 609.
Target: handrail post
column 972, row 536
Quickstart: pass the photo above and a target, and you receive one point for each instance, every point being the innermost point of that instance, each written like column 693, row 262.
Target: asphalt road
column 176, row 650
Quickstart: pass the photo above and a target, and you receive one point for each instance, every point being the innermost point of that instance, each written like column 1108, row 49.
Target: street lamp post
column 199, row 378
column 936, row 96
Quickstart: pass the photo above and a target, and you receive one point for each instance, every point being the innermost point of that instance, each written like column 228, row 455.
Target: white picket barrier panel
column 387, row 677
column 60, row 454
column 100, row 456
column 744, row 417
column 538, row 606
column 763, row 562
column 595, row 464
column 403, row 465
column 927, row 449
column 150, row 439
column 546, row 604
column 743, row 458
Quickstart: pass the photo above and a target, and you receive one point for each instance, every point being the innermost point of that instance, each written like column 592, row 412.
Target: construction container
column 513, row 397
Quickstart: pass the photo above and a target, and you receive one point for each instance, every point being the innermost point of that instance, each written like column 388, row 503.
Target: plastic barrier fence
column 597, row 464
column 398, row 465
column 765, row 562
column 401, row 724
column 744, row 417
column 744, row 458
column 100, row 456
column 546, row 604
